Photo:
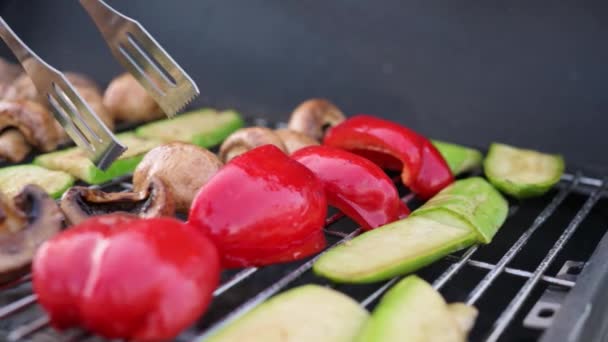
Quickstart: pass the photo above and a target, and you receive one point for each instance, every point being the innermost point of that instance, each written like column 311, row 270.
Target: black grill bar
column 270, row 291
column 507, row 316
column 569, row 185
column 483, row 285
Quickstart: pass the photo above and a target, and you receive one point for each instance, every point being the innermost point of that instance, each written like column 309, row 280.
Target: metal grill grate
column 503, row 279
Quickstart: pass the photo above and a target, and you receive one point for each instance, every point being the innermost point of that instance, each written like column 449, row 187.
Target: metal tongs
column 136, row 50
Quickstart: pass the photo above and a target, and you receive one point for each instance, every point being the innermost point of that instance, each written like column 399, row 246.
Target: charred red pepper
column 261, row 208
column 124, row 277
column 355, row 185
column 393, row 146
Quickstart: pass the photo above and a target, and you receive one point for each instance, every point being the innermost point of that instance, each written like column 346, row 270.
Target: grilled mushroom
column 314, row 116
column 185, row 168
column 13, row 146
column 8, row 71
column 154, row 200
column 24, row 89
column 128, row 101
column 31, row 218
column 33, row 121
column 246, row 139
column 294, row 140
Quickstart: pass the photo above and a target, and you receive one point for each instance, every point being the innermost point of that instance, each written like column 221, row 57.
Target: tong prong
column 143, row 57
column 77, row 118
column 65, row 120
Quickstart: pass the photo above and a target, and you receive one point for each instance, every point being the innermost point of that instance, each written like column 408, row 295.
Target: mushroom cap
column 31, row 218
column 313, row 117
column 153, row 200
column 33, row 120
column 184, row 167
column 294, row 140
column 246, row 139
column 128, row 101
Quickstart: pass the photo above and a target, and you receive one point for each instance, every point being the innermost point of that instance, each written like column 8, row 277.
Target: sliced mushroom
column 31, row 218
column 33, row 120
column 153, row 200
column 13, row 146
column 185, row 168
column 246, row 139
column 294, row 140
column 313, row 117
column 128, row 101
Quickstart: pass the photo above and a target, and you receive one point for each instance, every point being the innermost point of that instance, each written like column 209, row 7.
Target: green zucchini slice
column 14, row 178
column 74, row 161
column 412, row 311
column 303, row 314
column 460, row 159
column 397, row 248
column 522, row 173
column 203, row 127
column 471, row 202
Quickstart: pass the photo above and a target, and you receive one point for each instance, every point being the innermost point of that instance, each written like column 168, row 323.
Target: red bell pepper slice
column 353, row 184
column 262, row 208
column 124, row 277
column 393, row 146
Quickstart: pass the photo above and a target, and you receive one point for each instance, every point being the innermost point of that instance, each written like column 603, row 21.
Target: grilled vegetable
column 203, row 127
column 465, row 315
column 124, row 277
column 294, row 140
column 23, row 89
column 128, row 101
column 355, row 185
column 183, row 168
column 412, row 311
column 460, row 159
column 246, row 139
column 14, row 178
column 303, row 314
column 313, row 117
column 75, row 162
column 28, row 219
column 396, row 147
column 522, row 173
column 13, row 146
column 466, row 212
column 471, row 204
column 35, row 125
column 153, row 200
column 397, row 248
column 262, row 208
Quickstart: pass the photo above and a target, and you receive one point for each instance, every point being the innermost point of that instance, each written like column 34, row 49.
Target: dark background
column 529, row 73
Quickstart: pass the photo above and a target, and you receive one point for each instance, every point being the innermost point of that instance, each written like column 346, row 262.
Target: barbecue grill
column 544, row 276
column 539, row 279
